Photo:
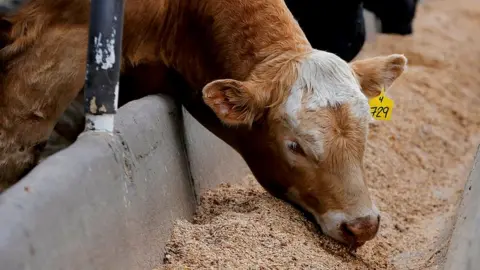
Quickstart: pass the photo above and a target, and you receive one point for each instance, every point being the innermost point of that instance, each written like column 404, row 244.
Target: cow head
column 307, row 119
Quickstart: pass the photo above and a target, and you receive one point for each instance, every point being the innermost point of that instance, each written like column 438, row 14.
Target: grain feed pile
column 416, row 167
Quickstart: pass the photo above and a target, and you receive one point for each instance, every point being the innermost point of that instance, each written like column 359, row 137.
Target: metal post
column 103, row 64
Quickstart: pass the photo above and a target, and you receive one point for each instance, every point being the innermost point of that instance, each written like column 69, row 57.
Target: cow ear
column 380, row 72
column 234, row 102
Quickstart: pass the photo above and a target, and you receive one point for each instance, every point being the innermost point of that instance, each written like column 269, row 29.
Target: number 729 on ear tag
column 381, row 106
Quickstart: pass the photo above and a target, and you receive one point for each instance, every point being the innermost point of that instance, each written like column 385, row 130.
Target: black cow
column 339, row 26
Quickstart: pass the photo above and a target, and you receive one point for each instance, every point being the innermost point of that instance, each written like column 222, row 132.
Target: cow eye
column 295, row 148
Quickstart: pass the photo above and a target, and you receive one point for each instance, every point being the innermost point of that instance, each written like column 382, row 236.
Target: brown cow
column 298, row 116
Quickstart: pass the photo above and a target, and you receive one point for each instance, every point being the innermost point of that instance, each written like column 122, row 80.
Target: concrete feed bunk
column 109, row 201
column 416, row 168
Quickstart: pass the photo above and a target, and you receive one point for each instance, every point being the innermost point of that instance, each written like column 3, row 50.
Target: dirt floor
column 427, row 151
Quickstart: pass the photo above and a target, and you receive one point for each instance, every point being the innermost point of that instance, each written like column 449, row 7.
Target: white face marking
column 294, row 103
column 324, row 79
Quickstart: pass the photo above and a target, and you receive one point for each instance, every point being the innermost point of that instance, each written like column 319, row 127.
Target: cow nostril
column 347, row 232
column 361, row 229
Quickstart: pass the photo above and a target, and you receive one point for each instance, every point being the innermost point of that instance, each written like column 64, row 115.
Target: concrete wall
column 109, row 201
column 371, row 26
column 464, row 249
column 211, row 160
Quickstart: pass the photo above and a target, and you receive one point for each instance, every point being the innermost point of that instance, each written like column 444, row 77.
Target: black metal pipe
column 103, row 63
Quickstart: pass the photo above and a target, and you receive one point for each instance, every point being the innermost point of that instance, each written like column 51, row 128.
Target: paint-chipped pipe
column 103, row 64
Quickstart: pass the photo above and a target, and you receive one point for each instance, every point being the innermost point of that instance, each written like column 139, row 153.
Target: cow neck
column 206, row 40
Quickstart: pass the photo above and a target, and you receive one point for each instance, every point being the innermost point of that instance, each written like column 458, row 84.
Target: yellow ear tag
column 381, row 106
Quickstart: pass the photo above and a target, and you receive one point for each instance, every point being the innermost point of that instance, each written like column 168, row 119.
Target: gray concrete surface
column 106, row 202
column 464, row 249
column 211, row 160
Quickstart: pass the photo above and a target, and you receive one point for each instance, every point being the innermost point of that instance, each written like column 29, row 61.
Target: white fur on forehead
column 324, row 79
